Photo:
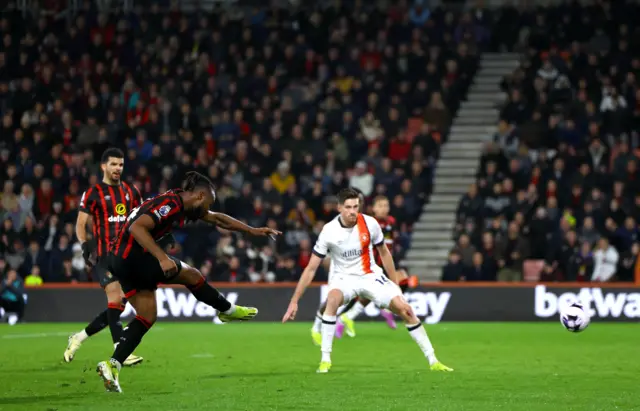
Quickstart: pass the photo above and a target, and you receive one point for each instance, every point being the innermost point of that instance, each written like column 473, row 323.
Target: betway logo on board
column 174, row 304
column 428, row 305
column 597, row 303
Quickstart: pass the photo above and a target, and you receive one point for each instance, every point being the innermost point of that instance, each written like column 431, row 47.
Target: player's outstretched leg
column 75, row 341
column 334, row 301
column 417, row 331
column 196, row 283
column 144, row 302
column 316, row 330
column 347, row 322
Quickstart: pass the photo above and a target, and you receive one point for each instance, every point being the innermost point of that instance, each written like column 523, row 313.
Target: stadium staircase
column 475, row 123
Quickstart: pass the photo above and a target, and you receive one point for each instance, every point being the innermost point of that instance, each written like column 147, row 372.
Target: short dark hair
column 380, row 198
column 111, row 152
column 194, row 180
column 347, row 194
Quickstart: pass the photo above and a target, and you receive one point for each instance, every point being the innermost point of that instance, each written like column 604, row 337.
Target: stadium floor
column 265, row 366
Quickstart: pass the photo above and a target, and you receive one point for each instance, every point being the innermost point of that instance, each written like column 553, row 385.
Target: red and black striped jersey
column 388, row 226
column 108, row 206
column 166, row 210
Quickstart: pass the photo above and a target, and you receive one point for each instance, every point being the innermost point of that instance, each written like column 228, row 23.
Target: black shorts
column 102, row 273
column 139, row 271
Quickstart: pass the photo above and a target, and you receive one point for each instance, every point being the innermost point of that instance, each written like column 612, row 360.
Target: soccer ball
column 574, row 318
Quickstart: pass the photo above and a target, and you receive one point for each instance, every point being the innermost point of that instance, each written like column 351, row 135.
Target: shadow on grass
column 54, row 399
column 309, row 372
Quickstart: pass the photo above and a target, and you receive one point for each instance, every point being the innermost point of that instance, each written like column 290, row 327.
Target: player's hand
column 265, row 231
column 88, row 249
column 291, row 312
column 168, row 266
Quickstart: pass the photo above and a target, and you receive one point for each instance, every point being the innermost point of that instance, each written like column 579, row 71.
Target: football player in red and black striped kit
column 388, row 225
column 107, row 204
column 140, row 263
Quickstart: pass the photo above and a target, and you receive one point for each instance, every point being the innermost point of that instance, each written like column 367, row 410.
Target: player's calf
column 334, row 301
column 417, row 331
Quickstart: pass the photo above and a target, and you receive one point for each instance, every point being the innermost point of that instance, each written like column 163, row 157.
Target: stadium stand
column 556, row 197
column 280, row 109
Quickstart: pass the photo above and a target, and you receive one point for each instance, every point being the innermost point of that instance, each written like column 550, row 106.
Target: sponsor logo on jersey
column 352, row 253
column 596, row 303
column 117, row 219
column 164, row 210
column 121, row 209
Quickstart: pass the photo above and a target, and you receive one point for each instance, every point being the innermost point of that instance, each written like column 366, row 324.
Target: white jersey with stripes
column 351, row 248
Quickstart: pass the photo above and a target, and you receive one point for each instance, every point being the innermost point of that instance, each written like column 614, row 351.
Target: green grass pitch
column 254, row 366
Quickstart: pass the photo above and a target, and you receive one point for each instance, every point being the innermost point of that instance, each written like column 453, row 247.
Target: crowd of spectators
column 559, row 182
column 279, row 107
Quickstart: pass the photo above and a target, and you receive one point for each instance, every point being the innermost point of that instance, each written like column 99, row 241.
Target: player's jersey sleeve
column 377, row 237
column 88, row 201
column 165, row 209
column 321, row 249
column 137, row 197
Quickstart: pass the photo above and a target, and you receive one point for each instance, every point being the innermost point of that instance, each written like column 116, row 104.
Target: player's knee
column 147, row 319
column 334, row 300
column 114, row 294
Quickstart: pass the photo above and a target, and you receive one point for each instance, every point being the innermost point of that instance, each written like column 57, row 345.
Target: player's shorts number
column 382, row 280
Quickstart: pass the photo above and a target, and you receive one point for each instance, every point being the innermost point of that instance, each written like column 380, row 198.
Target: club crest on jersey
column 121, row 209
column 364, row 237
column 164, row 210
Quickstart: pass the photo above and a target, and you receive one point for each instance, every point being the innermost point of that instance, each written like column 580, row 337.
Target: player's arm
column 305, row 279
column 229, row 223
column 387, row 262
column 320, row 251
column 385, row 255
column 81, row 226
column 141, row 232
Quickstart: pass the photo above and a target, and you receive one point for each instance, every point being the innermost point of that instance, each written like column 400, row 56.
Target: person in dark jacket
column 454, row 270
column 12, row 295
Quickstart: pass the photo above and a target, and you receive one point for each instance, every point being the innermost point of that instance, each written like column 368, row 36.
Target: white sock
column 231, row 310
column 82, row 335
column 419, row 335
column 116, row 363
column 355, row 311
column 317, row 323
column 328, row 331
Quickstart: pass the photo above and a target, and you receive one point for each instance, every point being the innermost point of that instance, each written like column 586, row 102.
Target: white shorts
column 375, row 287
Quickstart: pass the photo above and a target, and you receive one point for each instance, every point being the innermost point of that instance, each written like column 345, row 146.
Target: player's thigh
column 144, row 302
column 401, row 307
column 345, row 285
column 114, row 292
column 187, row 275
column 136, row 273
column 379, row 289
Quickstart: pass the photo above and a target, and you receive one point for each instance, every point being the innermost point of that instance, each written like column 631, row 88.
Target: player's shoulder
column 370, row 220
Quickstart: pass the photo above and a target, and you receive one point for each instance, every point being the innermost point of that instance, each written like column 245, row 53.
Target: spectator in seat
column 580, row 265
column 282, row 179
column 362, row 179
column 605, row 260
column 478, row 270
column 454, row 270
column 34, row 279
column 12, row 295
column 511, row 253
column 627, row 263
column 465, row 249
column 470, row 206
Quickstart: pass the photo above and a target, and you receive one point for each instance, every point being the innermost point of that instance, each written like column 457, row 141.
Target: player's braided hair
column 193, row 180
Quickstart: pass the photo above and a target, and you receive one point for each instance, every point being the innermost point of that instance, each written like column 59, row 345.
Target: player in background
column 388, row 225
column 107, row 204
column 140, row 263
column 350, row 238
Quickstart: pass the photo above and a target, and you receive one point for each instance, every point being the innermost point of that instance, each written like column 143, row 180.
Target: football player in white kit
column 350, row 238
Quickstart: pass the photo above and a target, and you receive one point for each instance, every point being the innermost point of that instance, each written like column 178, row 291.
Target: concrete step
column 485, row 88
column 459, row 154
column 446, row 163
column 489, row 79
column 486, row 96
column 419, row 264
column 500, row 55
column 469, row 173
column 478, row 111
column 457, row 189
column 492, row 71
column 478, row 104
column 433, row 218
column 461, row 145
column 475, row 120
column 465, row 129
column 433, row 254
column 501, row 63
column 429, row 224
column 434, row 236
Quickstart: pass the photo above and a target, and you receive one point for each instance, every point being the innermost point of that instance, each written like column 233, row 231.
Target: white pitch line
column 37, row 335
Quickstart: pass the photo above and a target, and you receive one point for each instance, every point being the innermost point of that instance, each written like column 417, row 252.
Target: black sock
column 350, row 305
column 210, row 296
column 130, row 338
column 98, row 323
column 113, row 317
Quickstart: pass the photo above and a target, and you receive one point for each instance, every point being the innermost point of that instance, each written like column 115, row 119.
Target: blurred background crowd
column 283, row 106
column 557, row 191
column 280, row 107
